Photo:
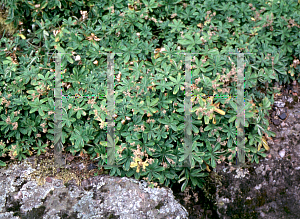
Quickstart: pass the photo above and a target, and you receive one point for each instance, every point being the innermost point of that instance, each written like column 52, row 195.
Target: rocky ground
column 269, row 189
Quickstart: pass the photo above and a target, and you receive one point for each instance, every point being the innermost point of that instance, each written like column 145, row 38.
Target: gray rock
column 279, row 104
column 282, row 116
column 276, row 122
column 281, row 153
column 289, row 99
column 297, row 127
column 97, row 197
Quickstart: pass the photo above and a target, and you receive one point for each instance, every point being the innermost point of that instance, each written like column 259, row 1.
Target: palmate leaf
column 176, row 27
column 230, row 130
column 192, row 153
column 190, row 41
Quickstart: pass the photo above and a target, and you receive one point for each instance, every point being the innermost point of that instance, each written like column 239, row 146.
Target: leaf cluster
column 147, row 38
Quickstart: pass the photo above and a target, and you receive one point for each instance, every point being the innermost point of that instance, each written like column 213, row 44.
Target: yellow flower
column 145, row 164
column 216, row 106
column 135, row 164
column 214, row 121
column 219, row 111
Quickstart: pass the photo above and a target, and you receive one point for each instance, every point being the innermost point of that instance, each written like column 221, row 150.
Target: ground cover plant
column 149, row 79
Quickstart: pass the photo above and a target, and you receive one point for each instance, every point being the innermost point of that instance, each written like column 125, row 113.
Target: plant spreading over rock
column 147, row 38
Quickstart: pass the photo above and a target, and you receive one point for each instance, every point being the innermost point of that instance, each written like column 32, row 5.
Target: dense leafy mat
column 149, row 83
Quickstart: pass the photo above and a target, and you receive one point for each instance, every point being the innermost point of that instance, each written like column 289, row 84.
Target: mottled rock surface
column 97, row 197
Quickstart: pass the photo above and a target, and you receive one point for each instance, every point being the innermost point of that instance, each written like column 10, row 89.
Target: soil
column 201, row 203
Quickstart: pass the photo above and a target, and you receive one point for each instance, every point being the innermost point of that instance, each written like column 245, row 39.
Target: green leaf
column 196, row 173
column 233, row 104
column 41, row 113
column 119, row 126
column 60, row 49
column 176, row 27
column 69, row 59
column 233, row 118
column 206, row 120
column 2, row 164
column 253, row 149
column 207, row 128
column 154, row 102
column 9, row 60
column 184, row 185
column 213, row 163
column 176, row 89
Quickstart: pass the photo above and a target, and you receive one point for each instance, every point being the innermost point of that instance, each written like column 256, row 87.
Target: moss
column 35, row 213
column 63, row 215
column 295, row 98
column 249, row 202
column 209, row 187
column 9, row 28
column 282, row 191
column 160, row 204
column 112, row 216
column 241, row 210
column 48, row 169
column 286, row 209
column 15, row 207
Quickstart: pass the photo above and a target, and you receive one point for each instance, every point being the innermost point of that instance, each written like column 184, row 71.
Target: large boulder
column 24, row 196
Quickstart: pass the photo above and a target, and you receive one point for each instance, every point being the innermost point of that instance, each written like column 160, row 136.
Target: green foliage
column 149, row 94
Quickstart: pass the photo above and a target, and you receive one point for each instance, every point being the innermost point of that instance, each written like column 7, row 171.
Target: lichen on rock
column 96, row 197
